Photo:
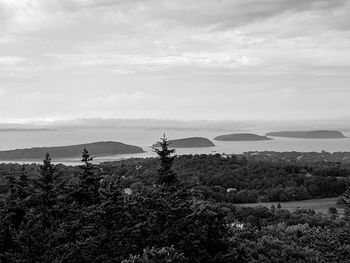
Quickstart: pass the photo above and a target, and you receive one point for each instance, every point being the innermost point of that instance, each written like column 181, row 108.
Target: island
column 241, row 137
column 104, row 148
column 321, row 134
column 191, row 142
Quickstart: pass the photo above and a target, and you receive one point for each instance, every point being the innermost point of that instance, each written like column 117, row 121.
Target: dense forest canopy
column 172, row 209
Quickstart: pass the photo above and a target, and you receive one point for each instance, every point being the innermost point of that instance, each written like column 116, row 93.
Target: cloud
column 129, row 63
column 35, row 14
column 121, row 71
column 11, row 60
column 105, row 53
column 121, row 101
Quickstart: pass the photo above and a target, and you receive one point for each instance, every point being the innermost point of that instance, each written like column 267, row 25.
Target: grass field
column 319, row 205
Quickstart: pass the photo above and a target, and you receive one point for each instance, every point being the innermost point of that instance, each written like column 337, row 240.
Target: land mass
column 241, row 137
column 71, row 151
column 191, row 142
column 322, row 134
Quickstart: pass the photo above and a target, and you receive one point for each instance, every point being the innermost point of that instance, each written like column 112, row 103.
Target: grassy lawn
column 319, row 205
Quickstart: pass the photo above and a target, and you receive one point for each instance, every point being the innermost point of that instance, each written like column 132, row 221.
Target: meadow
column 318, row 205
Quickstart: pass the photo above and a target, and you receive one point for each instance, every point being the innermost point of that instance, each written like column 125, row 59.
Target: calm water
column 145, row 138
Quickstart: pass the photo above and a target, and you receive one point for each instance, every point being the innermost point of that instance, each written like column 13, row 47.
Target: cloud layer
column 185, row 59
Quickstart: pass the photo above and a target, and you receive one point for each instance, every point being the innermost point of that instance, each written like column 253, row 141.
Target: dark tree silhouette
column 166, row 175
column 23, row 177
column 45, row 183
column 88, row 189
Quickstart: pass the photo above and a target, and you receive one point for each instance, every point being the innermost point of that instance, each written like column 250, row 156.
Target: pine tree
column 23, row 184
column 45, row 183
column 45, row 198
column 273, row 209
column 23, row 177
column 88, row 190
column 166, row 175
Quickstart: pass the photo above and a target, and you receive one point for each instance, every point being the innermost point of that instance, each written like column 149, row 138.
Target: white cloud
column 121, row 71
column 10, row 60
column 105, row 53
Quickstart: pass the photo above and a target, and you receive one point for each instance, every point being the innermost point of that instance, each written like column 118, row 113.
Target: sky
column 166, row 59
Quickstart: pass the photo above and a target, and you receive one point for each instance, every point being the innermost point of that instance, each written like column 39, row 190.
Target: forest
column 172, row 209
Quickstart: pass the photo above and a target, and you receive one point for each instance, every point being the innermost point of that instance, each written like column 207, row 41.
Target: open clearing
column 319, row 205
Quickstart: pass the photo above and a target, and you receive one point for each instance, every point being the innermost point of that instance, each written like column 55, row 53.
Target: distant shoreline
column 271, row 156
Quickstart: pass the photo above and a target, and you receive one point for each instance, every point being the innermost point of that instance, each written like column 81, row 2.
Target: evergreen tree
column 166, row 175
column 45, row 183
column 88, row 189
column 23, row 184
column 23, row 177
column 273, row 209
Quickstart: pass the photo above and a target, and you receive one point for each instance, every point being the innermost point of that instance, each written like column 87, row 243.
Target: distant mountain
column 322, row 134
column 192, row 142
column 241, row 137
column 71, row 151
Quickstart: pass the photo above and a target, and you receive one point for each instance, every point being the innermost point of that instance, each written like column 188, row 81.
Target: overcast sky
column 174, row 59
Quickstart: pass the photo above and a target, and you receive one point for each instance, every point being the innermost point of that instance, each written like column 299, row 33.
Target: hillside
column 70, row 151
column 191, row 142
column 322, row 134
column 241, row 137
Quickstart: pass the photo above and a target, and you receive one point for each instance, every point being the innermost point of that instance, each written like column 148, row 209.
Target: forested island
column 175, row 209
column 241, row 137
column 191, row 142
column 72, row 151
column 308, row 134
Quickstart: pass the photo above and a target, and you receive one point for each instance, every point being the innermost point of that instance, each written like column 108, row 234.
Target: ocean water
column 145, row 138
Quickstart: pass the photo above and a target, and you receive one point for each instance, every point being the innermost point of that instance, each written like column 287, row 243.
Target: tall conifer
column 88, row 191
column 166, row 175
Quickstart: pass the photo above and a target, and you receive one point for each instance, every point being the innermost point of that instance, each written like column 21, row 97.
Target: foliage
column 56, row 213
column 88, row 188
column 162, row 255
column 165, row 173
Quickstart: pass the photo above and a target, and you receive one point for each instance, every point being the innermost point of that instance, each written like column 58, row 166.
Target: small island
column 321, row 134
column 71, row 151
column 241, row 137
column 191, row 142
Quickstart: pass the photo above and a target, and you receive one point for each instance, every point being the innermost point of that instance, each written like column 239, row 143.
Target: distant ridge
column 191, row 142
column 321, row 134
column 241, row 137
column 71, row 151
